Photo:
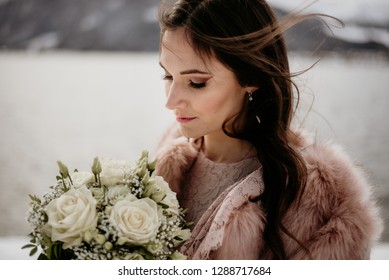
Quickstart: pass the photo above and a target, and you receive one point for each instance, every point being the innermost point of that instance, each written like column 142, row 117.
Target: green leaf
column 45, row 218
column 34, row 198
column 187, row 225
column 46, row 238
column 48, row 253
column 42, row 257
column 57, row 251
column 163, row 205
column 33, row 251
column 28, row 246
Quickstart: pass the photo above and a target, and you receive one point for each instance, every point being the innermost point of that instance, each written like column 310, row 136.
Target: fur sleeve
column 243, row 235
column 337, row 211
column 174, row 161
column 168, row 137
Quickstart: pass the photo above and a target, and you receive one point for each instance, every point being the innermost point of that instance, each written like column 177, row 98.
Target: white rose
column 70, row 215
column 155, row 248
column 114, row 171
column 158, row 188
column 82, row 178
column 98, row 193
column 183, row 235
column 137, row 221
column 119, row 192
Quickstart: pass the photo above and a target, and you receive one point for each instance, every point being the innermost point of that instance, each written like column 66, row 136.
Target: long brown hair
column 246, row 37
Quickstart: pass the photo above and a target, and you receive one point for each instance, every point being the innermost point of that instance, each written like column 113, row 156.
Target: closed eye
column 167, row 77
column 196, row 85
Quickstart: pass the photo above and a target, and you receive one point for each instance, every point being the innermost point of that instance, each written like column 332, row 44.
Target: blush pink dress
column 211, row 192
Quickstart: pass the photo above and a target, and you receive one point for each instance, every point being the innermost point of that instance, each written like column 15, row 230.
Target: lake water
column 75, row 106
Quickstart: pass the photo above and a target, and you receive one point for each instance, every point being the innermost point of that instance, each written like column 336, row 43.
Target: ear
column 251, row 89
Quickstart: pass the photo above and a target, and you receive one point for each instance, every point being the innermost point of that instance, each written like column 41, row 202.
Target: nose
column 174, row 96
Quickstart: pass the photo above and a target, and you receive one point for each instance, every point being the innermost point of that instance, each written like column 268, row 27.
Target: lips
column 184, row 119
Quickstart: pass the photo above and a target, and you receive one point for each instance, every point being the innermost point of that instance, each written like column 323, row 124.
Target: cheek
column 215, row 112
column 227, row 105
column 211, row 108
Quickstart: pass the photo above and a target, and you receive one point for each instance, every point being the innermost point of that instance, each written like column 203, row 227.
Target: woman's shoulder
column 330, row 169
column 336, row 186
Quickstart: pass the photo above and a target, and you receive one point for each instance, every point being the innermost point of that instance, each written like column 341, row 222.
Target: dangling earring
column 250, row 93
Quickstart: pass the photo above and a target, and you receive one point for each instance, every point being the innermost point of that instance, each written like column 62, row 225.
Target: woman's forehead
column 177, row 49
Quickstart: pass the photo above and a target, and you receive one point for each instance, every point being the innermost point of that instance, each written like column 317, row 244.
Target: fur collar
column 337, row 217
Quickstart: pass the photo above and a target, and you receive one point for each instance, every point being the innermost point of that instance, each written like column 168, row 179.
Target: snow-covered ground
column 10, row 249
column 73, row 106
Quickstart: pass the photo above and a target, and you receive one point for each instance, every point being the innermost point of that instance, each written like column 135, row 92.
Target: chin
column 189, row 134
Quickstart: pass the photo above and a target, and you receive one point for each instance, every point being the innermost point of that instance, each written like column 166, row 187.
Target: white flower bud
column 63, row 169
column 158, row 196
column 100, row 239
column 108, row 246
column 121, row 240
column 96, row 166
column 88, row 236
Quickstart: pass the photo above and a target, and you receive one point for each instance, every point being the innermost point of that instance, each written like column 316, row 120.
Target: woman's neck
column 225, row 149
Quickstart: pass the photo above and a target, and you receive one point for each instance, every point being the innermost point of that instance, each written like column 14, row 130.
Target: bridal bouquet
column 118, row 210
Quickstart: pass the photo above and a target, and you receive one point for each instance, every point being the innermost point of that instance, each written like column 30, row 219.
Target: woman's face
column 202, row 93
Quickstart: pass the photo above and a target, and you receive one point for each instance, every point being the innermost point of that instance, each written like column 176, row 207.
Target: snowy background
column 74, row 85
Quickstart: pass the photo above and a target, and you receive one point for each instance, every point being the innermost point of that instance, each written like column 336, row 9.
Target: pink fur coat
column 337, row 217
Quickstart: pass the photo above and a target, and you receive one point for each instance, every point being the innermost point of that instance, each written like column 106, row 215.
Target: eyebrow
column 193, row 71
column 187, row 72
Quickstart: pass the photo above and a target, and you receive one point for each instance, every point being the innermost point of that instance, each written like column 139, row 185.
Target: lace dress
column 211, row 192
column 207, row 180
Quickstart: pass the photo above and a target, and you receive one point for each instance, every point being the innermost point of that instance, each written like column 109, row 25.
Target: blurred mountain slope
column 131, row 25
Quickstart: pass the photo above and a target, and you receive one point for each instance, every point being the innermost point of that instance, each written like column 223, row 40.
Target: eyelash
column 167, row 78
column 196, row 85
column 191, row 83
